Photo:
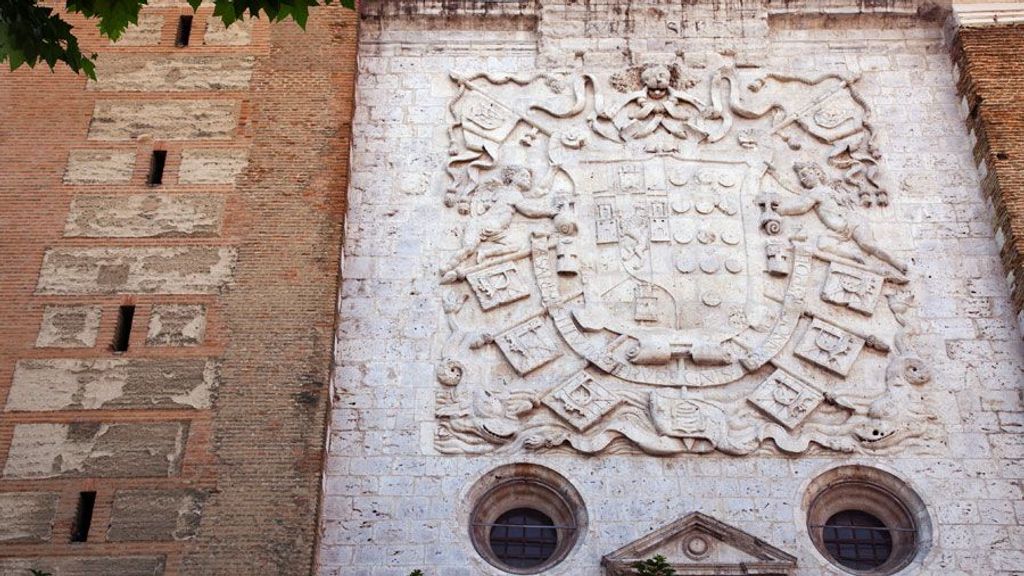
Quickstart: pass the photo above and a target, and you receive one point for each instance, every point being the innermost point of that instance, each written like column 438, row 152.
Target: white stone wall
column 393, row 503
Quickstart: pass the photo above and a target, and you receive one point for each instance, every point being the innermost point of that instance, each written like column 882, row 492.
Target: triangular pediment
column 699, row 545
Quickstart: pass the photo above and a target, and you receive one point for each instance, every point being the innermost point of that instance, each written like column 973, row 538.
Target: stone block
column 145, row 216
column 99, row 166
column 114, row 120
column 238, row 34
column 96, row 450
column 211, row 165
column 69, row 327
column 145, row 73
column 182, row 270
column 177, row 325
column 154, row 515
column 85, row 565
column 27, row 517
column 144, row 33
column 70, row 384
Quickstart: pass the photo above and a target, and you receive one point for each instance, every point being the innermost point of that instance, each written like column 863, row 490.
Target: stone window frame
column 878, row 492
column 522, row 485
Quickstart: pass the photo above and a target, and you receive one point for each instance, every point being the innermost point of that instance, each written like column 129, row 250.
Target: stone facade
column 688, row 276
column 692, row 258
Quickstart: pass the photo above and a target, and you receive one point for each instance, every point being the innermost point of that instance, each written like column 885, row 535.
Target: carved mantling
column 672, row 260
column 699, row 545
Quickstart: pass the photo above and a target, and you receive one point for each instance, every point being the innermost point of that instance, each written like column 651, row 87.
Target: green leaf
column 225, row 10
column 113, row 15
column 30, row 33
column 657, row 566
column 300, row 13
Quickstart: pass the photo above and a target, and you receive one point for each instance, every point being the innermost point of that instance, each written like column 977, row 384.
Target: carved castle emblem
column 682, row 266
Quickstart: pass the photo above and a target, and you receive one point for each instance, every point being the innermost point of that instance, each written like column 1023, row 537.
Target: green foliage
column 31, row 33
column 416, row 573
column 39, row 572
column 656, row 566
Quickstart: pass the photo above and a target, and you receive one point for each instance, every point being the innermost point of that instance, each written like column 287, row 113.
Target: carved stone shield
column 665, row 257
column 644, row 270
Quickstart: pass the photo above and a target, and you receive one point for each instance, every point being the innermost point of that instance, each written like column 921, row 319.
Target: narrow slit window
column 123, row 331
column 83, row 516
column 184, row 31
column 156, row 167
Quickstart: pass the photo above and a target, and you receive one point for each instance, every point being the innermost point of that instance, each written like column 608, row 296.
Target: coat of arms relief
column 671, row 261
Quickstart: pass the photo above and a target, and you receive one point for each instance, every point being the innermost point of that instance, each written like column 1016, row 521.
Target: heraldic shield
column 665, row 262
column 630, row 260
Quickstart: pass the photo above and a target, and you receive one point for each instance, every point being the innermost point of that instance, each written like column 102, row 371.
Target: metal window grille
column 523, row 538
column 857, row 540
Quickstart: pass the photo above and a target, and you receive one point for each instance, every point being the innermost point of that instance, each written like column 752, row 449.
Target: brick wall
column 991, row 80
column 204, row 439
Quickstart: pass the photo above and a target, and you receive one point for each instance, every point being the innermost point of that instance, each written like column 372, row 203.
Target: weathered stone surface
column 144, row 33
column 238, row 34
column 142, row 73
column 193, row 270
column 385, row 482
column 154, row 515
column 94, row 449
column 27, row 516
column 99, row 166
column 145, row 215
column 177, row 325
column 69, row 327
column 164, row 120
column 68, row 384
column 85, row 565
column 211, row 165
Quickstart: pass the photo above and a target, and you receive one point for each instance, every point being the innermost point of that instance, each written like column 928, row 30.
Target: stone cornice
column 988, row 14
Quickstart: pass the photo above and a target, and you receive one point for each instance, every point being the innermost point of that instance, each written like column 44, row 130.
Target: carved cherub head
column 656, row 78
column 810, row 174
column 518, row 176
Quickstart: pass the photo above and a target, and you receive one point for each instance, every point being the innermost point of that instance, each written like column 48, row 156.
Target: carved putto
column 671, row 261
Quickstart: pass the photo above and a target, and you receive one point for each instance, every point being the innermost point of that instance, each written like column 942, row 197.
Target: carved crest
column 674, row 266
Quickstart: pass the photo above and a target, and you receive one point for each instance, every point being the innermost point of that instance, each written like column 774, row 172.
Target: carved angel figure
column 657, row 105
column 836, row 213
column 496, row 203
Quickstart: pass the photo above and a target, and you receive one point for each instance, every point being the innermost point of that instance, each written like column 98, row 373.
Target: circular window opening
column 867, row 521
column 525, row 518
column 524, row 538
column 857, row 540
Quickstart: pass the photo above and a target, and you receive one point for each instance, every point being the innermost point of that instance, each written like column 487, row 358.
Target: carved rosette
column 671, row 268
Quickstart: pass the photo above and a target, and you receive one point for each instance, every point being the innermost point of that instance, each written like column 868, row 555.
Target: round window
column 523, row 538
column 525, row 518
column 866, row 521
column 857, row 540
